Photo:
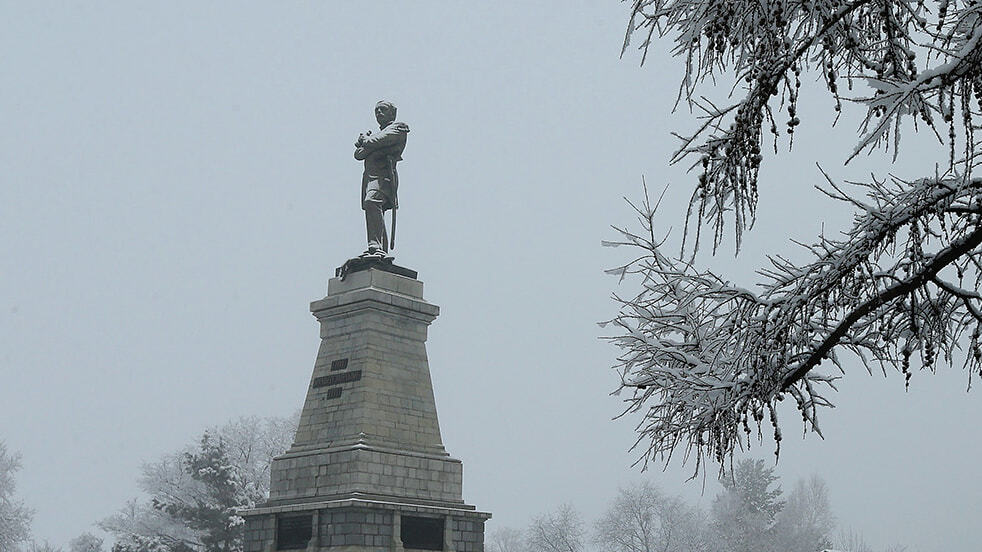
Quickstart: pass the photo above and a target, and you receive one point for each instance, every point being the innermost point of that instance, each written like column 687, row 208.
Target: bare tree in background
column 806, row 521
column 851, row 541
column 558, row 531
column 643, row 519
column 42, row 546
column 168, row 522
column 86, row 542
column 704, row 361
column 505, row 539
column 139, row 526
column 743, row 515
column 15, row 518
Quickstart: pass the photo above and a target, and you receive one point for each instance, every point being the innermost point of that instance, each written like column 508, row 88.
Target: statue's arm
column 390, row 136
column 361, row 153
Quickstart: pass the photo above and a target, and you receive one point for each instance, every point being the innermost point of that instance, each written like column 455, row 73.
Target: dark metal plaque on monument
column 293, row 532
column 422, row 533
column 335, row 379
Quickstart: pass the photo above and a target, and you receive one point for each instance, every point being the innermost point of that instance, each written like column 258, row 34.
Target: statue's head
column 385, row 112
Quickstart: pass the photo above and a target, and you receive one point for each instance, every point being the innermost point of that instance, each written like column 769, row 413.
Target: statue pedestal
column 385, row 264
column 367, row 469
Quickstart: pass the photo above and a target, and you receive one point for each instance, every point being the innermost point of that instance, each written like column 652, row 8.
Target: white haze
column 176, row 185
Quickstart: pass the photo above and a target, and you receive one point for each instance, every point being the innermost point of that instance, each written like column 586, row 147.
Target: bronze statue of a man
column 380, row 182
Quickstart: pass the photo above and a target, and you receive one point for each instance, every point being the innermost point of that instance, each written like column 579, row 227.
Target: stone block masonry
column 368, row 469
column 357, row 526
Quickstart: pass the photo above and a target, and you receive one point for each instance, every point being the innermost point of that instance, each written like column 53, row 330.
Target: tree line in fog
column 191, row 498
column 752, row 513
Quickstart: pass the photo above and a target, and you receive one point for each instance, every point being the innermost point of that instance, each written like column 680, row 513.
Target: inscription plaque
column 339, row 364
column 421, row 533
column 335, row 379
column 332, row 393
column 293, row 532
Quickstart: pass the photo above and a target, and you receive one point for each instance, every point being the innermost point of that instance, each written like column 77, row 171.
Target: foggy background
column 177, row 184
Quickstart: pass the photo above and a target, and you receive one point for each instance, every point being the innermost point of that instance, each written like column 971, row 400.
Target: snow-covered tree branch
column 915, row 62
column 705, row 362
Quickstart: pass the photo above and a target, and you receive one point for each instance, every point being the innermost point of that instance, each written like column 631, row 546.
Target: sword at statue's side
column 392, row 239
column 395, row 196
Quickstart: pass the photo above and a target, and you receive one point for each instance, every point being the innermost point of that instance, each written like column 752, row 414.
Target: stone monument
column 368, row 470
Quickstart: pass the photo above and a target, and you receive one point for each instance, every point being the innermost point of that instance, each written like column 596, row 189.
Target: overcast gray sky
column 176, row 185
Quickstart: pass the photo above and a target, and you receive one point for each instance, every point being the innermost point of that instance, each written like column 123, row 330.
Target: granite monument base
column 358, row 525
column 368, row 469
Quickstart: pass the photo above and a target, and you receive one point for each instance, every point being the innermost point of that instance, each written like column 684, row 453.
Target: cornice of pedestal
column 375, row 289
column 361, row 500
column 372, row 298
column 435, row 452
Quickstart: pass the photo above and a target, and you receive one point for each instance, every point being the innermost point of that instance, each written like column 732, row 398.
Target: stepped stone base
column 367, row 525
column 368, row 470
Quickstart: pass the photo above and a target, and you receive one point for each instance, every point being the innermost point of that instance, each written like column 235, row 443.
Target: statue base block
column 357, row 264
